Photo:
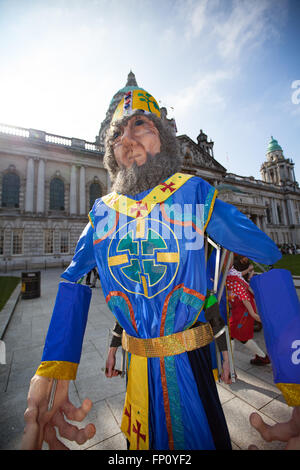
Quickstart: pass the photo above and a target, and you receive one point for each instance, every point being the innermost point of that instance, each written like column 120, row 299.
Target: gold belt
column 170, row 345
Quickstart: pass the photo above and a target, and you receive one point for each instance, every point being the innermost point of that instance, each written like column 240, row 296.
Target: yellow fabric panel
column 216, row 374
column 135, row 415
column 118, row 259
column 291, row 393
column 61, row 370
column 136, row 209
column 168, row 257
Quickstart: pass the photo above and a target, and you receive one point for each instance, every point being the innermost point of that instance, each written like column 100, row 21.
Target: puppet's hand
column 110, row 370
column 286, row 432
column 41, row 422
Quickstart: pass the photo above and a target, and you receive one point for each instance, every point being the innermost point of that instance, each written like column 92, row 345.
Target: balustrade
column 34, row 134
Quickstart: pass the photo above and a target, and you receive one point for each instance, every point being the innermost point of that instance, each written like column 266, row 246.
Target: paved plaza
column 24, row 338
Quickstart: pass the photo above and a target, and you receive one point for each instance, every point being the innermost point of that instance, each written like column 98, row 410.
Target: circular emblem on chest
column 143, row 256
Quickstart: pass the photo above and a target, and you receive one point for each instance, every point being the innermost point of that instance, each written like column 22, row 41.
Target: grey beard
column 140, row 178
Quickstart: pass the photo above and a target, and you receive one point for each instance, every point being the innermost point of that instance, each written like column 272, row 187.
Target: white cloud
column 196, row 19
column 249, row 25
column 207, row 90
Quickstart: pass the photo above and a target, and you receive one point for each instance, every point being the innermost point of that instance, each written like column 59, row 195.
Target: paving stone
column 116, row 404
column 237, row 414
column 224, row 393
column 278, row 410
column 117, row 442
column 252, row 390
column 98, row 387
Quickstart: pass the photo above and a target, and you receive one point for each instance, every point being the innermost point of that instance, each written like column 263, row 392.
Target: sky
column 228, row 67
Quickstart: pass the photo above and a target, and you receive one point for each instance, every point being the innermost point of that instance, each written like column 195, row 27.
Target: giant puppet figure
column 146, row 239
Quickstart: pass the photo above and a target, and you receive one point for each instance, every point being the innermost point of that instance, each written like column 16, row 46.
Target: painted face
column 132, row 142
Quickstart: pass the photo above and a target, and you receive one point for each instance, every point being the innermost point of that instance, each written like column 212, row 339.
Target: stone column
column 40, row 204
column 278, row 175
column 82, row 198
column 274, row 211
column 263, row 220
column 283, row 212
column 73, row 191
column 290, row 209
column 293, row 173
column 29, row 186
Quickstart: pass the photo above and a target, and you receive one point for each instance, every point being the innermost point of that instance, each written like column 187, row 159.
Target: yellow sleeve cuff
column 61, row 370
column 290, row 392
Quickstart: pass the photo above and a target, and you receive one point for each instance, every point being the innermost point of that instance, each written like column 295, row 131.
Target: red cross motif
column 167, row 186
column 138, row 207
column 128, row 413
column 138, row 433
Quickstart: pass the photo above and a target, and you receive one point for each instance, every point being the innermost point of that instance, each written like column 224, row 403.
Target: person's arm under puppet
column 115, row 343
column 235, row 232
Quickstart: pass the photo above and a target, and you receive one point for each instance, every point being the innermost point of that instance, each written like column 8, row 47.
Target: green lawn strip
column 290, row 262
column 7, row 286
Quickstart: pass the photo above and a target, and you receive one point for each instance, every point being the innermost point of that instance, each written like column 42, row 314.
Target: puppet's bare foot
column 263, row 428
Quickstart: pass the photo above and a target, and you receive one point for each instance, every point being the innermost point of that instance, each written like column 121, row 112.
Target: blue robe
column 152, row 272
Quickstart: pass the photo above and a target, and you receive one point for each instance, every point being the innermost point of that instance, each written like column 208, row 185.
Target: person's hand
column 288, row 432
column 225, row 376
column 110, row 370
column 41, row 422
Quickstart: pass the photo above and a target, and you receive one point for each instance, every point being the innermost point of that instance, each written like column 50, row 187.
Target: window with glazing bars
column 57, row 195
column 48, row 241
column 10, row 190
column 64, row 241
column 17, row 241
column 95, row 192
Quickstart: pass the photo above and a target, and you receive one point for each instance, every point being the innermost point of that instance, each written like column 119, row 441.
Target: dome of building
column 131, row 84
column 273, row 145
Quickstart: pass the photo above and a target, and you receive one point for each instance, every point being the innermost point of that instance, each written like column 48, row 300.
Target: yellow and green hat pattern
column 133, row 100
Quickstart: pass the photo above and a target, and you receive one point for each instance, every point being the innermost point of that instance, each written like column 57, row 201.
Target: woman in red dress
column 243, row 308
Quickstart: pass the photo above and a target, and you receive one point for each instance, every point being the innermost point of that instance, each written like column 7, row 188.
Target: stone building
column 48, row 184
column 272, row 203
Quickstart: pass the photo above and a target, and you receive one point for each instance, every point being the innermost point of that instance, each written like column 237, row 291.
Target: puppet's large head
column 141, row 149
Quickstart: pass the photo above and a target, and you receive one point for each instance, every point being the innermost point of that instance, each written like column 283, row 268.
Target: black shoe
column 260, row 361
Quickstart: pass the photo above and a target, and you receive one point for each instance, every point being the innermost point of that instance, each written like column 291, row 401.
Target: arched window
column 10, row 190
column 279, row 214
column 1, row 241
column 95, row 192
column 57, row 195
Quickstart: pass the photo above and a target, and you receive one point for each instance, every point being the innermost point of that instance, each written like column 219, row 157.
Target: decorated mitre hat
column 136, row 100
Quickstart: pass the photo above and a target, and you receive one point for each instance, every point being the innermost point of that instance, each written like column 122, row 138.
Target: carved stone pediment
column 194, row 155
